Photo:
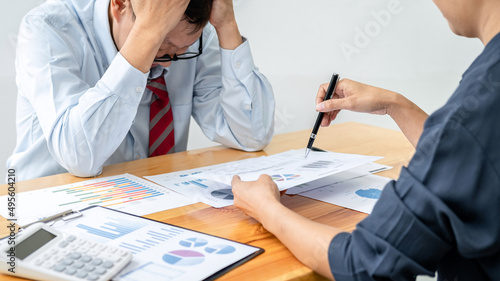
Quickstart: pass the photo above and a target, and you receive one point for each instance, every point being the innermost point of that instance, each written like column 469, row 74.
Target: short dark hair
column 198, row 13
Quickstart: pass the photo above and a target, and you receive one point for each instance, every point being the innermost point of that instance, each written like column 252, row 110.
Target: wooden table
column 277, row 263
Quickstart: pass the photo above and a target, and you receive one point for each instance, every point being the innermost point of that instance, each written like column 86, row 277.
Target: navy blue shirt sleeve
column 392, row 243
column 443, row 212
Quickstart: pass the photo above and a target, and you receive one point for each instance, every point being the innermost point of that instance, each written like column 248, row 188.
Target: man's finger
column 333, row 104
column 236, row 179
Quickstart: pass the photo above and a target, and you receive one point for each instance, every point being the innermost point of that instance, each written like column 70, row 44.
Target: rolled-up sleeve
column 445, row 202
column 391, row 243
column 233, row 102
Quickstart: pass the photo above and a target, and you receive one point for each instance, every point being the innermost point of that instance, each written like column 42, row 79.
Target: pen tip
column 307, row 152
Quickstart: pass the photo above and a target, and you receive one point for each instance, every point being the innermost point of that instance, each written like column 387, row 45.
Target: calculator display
column 34, row 242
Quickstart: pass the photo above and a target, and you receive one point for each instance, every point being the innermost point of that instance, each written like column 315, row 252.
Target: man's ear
column 118, row 8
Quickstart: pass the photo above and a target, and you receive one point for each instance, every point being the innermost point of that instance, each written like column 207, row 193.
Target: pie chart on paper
column 371, row 193
column 225, row 194
column 285, row 177
column 183, row 257
column 220, row 249
column 193, row 242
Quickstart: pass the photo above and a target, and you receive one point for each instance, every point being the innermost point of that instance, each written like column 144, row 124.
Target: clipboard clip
column 51, row 220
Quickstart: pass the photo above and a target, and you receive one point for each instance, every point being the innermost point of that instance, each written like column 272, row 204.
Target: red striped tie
column 161, row 120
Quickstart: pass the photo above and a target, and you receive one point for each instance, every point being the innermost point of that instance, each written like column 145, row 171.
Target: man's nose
column 163, row 53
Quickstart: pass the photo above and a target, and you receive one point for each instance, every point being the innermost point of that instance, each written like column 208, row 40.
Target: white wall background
column 298, row 45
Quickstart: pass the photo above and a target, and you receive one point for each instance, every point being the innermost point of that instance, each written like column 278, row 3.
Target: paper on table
column 289, row 168
column 160, row 251
column 210, row 192
column 189, row 184
column 363, row 170
column 359, row 194
column 124, row 192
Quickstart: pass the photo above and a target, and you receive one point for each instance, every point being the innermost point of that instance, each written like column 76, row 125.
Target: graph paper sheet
column 160, row 251
column 211, row 184
column 363, row 170
column 289, row 168
column 124, row 192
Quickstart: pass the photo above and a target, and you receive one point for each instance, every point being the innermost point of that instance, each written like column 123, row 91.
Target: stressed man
column 108, row 81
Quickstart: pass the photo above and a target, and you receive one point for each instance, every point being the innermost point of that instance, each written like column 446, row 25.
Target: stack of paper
column 212, row 185
column 360, row 193
column 341, row 179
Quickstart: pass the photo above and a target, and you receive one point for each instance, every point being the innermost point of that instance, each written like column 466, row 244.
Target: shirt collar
column 103, row 32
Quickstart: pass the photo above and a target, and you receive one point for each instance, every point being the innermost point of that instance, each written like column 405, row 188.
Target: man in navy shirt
column 443, row 213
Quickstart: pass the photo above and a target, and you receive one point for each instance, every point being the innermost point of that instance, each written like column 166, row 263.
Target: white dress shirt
column 82, row 106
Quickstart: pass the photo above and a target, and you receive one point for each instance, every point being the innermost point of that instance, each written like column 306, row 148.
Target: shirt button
column 248, row 107
column 237, row 64
column 138, row 90
column 137, row 157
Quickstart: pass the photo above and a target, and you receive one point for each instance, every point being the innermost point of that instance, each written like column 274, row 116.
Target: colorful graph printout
column 123, row 192
column 160, row 251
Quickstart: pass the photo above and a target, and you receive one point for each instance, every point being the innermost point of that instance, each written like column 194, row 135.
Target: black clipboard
column 215, row 275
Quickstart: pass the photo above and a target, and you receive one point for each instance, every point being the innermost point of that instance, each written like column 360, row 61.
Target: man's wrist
column 395, row 103
column 140, row 49
column 229, row 36
column 270, row 216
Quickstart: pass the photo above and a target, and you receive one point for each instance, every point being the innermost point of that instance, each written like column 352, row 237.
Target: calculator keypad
column 82, row 258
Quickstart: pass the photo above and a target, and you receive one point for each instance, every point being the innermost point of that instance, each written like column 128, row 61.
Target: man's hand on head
column 159, row 16
column 223, row 19
column 139, row 27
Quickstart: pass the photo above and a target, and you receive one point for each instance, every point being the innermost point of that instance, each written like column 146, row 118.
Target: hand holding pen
column 329, row 94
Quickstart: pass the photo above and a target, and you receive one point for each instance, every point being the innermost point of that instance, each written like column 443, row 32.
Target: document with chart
column 359, row 193
column 160, row 251
column 124, row 192
column 212, row 184
column 289, row 168
column 360, row 171
column 215, row 194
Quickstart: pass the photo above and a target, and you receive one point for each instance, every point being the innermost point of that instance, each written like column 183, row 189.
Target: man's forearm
column 229, row 36
column 307, row 240
column 141, row 48
column 409, row 117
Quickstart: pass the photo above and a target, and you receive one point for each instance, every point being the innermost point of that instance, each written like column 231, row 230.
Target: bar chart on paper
column 123, row 192
column 112, row 228
column 108, row 192
column 160, row 251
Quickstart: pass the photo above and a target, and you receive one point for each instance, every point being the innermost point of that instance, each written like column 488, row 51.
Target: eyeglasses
column 184, row 56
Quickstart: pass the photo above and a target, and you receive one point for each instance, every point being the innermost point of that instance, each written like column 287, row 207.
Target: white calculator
column 43, row 253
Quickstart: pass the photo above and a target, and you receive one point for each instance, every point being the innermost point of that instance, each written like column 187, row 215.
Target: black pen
column 329, row 94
